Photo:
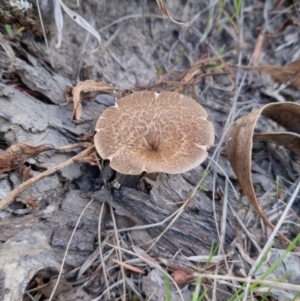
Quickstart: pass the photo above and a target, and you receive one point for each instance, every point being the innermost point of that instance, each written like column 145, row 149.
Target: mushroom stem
column 152, row 175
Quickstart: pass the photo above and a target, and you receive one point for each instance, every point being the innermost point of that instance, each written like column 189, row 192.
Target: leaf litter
column 244, row 128
column 191, row 78
column 90, row 86
column 288, row 75
column 238, row 149
column 239, row 145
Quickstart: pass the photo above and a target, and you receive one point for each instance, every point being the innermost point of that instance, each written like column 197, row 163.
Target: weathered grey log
column 195, row 230
column 36, row 77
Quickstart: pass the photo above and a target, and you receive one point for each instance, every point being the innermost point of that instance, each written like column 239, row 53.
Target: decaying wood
column 32, row 254
column 194, row 230
column 36, row 77
column 15, row 155
column 31, row 92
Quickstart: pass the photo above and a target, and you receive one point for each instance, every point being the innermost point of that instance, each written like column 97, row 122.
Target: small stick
column 10, row 197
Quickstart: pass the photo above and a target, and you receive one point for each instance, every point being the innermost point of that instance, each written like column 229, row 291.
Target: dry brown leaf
column 289, row 22
column 17, row 154
column 289, row 140
column 164, row 9
column 285, row 114
column 239, row 145
column 289, row 75
column 63, row 286
column 88, row 85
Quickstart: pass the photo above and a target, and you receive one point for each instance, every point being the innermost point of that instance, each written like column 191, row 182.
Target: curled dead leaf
column 287, row 139
column 289, row 75
column 77, row 158
column 91, row 86
column 239, row 145
column 17, row 154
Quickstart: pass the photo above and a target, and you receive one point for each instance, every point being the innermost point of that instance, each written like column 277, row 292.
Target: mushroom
column 151, row 132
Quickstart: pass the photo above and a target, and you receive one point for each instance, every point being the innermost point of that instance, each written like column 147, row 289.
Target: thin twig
column 119, row 252
column 10, row 197
column 101, row 253
column 44, row 32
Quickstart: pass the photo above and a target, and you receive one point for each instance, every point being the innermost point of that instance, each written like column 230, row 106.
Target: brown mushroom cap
column 147, row 131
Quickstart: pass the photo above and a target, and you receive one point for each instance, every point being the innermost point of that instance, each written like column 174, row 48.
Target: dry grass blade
column 83, row 23
column 59, row 21
column 150, row 262
column 239, row 146
column 118, row 252
column 88, row 85
column 276, row 284
column 198, row 66
column 191, row 77
column 164, row 9
column 101, row 244
column 66, row 252
column 10, row 197
column 258, row 47
column 142, row 253
column 128, row 266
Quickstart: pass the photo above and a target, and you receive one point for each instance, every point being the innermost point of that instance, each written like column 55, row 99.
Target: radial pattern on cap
column 151, row 132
